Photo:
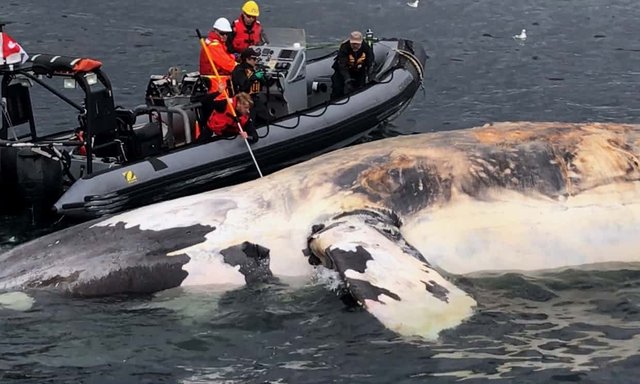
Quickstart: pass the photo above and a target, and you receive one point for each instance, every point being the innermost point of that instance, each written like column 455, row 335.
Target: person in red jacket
column 216, row 50
column 247, row 30
column 223, row 123
column 222, row 59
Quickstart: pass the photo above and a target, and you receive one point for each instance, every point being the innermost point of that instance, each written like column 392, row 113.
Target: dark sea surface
column 581, row 62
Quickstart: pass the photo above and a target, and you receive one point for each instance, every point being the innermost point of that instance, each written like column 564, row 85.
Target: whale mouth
column 387, row 276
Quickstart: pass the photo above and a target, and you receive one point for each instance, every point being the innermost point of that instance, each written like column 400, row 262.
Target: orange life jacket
column 245, row 36
column 355, row 63
column 215, row 88
column 223, row 60
column 223, row 123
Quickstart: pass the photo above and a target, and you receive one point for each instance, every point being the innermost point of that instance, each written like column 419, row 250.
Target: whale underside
column 399, row 220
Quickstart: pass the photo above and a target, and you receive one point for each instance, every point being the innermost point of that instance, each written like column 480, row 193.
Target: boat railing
column 180, row 109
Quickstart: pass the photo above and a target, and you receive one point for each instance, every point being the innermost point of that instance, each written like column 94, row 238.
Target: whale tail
column 387, row 276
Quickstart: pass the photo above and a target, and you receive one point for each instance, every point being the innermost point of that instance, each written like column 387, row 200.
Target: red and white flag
column 12, row 52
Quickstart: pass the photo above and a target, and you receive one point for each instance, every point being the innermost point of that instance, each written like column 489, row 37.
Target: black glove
column 251, row 131
column 349, row 85
column 253, row 137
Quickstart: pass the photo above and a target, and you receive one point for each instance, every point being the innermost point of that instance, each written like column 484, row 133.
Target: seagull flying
column 414, row 4
column 521, row 36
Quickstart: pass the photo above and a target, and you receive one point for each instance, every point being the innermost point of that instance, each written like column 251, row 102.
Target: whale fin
column 387, row 276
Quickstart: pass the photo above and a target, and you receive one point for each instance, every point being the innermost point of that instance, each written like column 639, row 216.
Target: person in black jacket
column 353, row 64
column 246, row 77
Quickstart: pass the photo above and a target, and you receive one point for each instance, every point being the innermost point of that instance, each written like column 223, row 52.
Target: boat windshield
column 286, row 37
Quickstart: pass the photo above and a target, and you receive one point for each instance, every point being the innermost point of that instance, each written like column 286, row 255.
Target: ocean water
column 579, row 63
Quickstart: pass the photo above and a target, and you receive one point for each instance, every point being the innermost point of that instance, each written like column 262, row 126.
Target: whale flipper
column 387, row 276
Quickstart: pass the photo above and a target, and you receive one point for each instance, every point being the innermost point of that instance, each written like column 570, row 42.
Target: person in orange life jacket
column 352, row 65
column 222, row 122
column 216, row 46
column 247, row 30
column 225, row 63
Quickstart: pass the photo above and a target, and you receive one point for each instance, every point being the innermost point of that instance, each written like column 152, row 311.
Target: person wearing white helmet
column 216, row 51
column 247, row 30
column 217, row 48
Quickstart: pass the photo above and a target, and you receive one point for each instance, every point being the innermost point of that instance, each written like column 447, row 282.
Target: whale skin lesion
column 436, row 290
column 524, row 169
column 405, row 185
column 54, row 281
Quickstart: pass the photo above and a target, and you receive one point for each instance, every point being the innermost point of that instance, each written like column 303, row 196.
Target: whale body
column 400, row 220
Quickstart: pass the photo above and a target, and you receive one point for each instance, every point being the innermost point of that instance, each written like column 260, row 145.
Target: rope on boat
column 409, row 56
column 413, row 60
column 326, row 105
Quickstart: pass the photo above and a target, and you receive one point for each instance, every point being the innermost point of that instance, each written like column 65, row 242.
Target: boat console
column 284, row 63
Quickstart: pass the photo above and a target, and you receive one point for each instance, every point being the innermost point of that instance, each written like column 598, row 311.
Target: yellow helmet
column 251, row 8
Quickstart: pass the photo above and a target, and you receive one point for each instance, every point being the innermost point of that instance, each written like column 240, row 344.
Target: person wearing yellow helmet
column 251, row 8
column 246, row 30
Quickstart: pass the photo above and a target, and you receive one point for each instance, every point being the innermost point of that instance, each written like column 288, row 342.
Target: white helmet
column 222, row 25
